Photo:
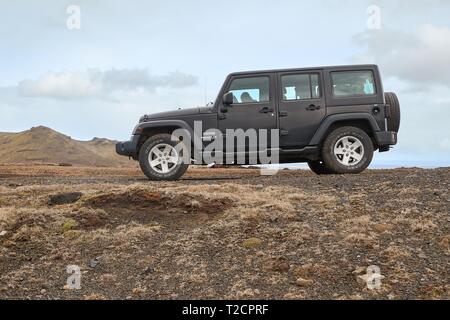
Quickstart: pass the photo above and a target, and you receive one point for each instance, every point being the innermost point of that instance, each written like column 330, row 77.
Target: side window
column 353, row 83
column 249, row 90
column 300, row 86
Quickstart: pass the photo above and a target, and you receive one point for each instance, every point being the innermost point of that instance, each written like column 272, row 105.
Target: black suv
column 333, row 118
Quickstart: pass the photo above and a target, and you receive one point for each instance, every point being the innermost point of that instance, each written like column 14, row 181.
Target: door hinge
column 209, row 136
column 284, row 132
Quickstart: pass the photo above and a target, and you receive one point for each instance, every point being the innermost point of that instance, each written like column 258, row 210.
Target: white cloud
column 421, row 57
column 96, row 83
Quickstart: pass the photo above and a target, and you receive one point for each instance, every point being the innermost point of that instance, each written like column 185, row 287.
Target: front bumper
column 128, row 148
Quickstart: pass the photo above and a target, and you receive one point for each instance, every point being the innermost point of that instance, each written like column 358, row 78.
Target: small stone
column 138, row 291
column 344, row 200
column 360, row 270
column 422, row 255
column 148, row 270
column 14, row 185
column 252, row 243
column 3, row 232
column 382, row 227
column 303, row 282
column 280, row 264
column 94, row 262
column 43, row 291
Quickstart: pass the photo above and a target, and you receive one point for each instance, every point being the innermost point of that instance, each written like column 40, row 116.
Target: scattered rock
column 382, row 227
column 64, row 198
column 3, row 232
column 94, row 262
column 148, row 270
column 65, row 164
column 273, row 219
column 252, row 243
column 422, row 255
column 360, row 270
column 303, row 282
column 344, row 200
column 139, row 291
column 67, row 287
column 279, row 264
column 94, row 296
column 108, row 278
column 43, row 291
column 14, row 185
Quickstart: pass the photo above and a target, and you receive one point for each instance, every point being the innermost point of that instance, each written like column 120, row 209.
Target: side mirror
column 227, row 98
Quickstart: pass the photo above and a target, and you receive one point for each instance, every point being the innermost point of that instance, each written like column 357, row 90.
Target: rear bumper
column 384, row 139
column 128, row 148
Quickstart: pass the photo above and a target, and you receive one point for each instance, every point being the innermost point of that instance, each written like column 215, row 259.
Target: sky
column 91, row 68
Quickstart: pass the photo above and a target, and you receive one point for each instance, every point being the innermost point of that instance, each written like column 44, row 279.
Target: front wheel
column 160, row 159
column 347, row 150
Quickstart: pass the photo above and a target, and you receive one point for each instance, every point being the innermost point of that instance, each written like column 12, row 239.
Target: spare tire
column 393, row 121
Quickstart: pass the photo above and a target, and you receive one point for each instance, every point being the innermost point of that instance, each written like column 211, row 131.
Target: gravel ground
column 223, row 233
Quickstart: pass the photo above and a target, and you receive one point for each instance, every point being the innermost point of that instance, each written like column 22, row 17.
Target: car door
column 253, row 106
column 301, row 106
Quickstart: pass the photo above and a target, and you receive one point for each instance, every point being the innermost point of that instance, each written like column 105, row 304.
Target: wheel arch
column 148, row 129
column 362, row 121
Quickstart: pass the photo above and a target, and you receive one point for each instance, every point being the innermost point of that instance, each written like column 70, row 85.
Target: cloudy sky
column 134, row 57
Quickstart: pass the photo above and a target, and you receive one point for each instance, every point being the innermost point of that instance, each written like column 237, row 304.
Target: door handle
column 312, row 107
column 266, row 110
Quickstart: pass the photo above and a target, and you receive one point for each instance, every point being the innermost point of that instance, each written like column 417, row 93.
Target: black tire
column 333, row 161
column 318, row 167
column 176, row 171
column 394, row 120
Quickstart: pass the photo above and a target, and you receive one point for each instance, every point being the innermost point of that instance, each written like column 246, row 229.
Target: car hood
column 175, row 113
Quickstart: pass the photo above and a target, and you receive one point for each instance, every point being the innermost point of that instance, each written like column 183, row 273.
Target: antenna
column 206, row 89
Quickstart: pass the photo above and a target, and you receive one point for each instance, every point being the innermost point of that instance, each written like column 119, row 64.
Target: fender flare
column 180, row 124
column 328, row 121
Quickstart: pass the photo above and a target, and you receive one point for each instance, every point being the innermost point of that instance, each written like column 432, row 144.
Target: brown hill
column 44, row 145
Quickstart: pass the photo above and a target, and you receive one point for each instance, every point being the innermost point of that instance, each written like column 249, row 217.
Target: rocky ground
column 223, row 233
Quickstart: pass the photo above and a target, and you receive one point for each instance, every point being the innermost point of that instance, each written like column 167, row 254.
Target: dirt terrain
column 223, row 233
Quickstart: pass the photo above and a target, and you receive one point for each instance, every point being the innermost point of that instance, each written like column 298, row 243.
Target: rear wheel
column 347, row 150
column 160, row 159
column 318, row 167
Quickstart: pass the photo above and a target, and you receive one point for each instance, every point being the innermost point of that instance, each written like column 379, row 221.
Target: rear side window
column 353, row 83
column 300, row 86
column 249, row 90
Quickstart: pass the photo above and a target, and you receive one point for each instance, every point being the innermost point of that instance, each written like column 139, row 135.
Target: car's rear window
column 353, row 83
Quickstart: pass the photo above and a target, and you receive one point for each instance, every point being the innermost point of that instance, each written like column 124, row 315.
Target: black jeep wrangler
column 333, row 118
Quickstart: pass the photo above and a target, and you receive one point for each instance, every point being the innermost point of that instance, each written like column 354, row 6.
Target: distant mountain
column 44, row 145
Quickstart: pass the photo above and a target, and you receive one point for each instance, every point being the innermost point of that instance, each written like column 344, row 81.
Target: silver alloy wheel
column 349, row 150
column 163, row 158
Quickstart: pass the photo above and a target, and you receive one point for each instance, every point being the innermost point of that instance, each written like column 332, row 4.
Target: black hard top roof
column 343, row 67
